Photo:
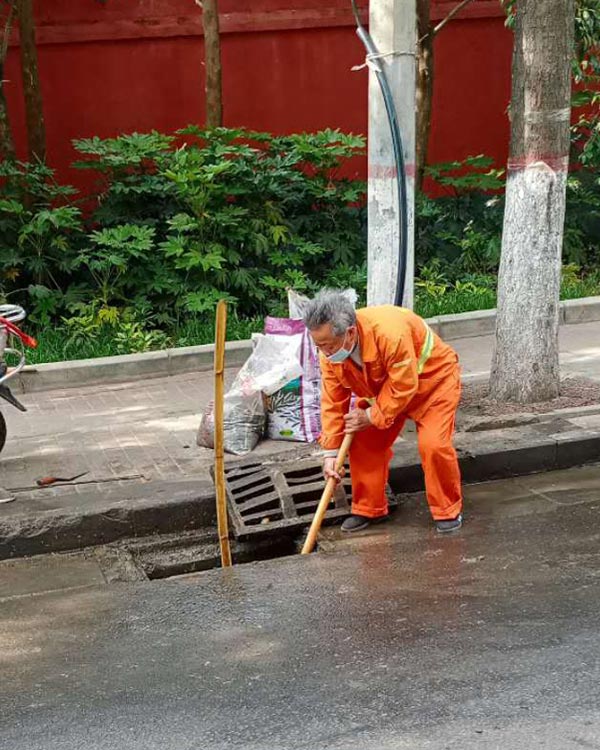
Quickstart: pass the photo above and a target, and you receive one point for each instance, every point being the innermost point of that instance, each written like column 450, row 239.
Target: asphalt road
column 396, row 639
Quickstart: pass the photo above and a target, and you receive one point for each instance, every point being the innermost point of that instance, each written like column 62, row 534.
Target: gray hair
column 330, row 306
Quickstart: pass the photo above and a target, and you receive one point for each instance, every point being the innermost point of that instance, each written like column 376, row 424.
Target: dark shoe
column 355, row 523
column 445, row 527
column 358, row 523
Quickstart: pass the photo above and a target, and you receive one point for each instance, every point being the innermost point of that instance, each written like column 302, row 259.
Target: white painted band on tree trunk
column 547, row 115
column 554, row 163
column 526, row 354
column 541, row 166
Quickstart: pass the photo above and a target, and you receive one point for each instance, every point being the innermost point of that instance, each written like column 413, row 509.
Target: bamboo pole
column 313, row 532
column 219, row 368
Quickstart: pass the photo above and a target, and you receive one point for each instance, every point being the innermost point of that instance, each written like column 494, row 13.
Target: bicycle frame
column 9, row 333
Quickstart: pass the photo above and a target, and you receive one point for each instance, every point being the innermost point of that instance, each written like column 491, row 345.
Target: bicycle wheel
column 2, row 431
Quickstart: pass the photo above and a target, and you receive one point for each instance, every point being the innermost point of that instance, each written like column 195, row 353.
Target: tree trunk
column 426, row 33
column 7, row 146
column 212, row 63
column 424, row 87
column 34, row 114
column 525, row 364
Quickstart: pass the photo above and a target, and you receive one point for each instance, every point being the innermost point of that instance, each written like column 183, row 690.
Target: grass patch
column 450, row 300
column 455, row 301
column 54, row 344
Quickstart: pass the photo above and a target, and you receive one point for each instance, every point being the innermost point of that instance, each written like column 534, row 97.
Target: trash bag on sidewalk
column 243, row 424
column 270, row 366
column 275, row 361
column 294, row 412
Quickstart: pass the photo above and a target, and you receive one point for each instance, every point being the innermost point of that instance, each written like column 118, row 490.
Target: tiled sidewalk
column 137, row 432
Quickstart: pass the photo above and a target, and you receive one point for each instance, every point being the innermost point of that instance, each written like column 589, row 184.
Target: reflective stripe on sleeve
column 426, row 350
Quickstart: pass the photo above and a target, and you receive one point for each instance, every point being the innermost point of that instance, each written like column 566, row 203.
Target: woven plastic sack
column 294, row 411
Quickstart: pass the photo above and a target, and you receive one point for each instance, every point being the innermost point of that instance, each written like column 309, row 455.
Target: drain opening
column 159, row 558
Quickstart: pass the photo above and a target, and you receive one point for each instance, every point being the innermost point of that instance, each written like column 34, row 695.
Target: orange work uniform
column 407, row 372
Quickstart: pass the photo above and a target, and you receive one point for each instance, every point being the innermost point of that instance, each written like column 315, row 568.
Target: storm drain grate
column 280, row 496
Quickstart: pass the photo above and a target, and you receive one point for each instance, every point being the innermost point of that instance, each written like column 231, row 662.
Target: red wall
column 112, row 67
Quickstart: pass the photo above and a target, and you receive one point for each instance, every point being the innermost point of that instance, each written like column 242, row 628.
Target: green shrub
column 180, row 221
column 39, row 236
column 462, row 229
column 232, row 214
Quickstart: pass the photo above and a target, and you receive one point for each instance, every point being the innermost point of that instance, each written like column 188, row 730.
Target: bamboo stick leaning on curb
column 326, row 498
column 220, row 329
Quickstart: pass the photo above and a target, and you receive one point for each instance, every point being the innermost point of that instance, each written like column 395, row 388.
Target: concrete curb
column 167, row 507
column 500, row 454
column 172, row 507
column 200, row 358
column 158, row 364
column 518, row 419
column 483, row 322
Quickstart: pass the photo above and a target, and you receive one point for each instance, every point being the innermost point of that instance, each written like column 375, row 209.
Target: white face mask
column 341, row 355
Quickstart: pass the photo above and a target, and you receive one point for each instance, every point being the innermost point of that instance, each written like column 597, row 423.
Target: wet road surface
column 394, row 639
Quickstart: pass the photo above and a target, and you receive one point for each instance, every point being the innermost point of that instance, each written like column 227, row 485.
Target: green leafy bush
column 228, row 213
column 463, row 228
column 39, row 233
column 177, row 222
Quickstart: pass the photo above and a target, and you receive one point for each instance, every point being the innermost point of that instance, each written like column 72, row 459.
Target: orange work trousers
column 371, row 452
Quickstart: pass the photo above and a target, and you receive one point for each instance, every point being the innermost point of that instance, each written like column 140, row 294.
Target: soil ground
column 574, row 392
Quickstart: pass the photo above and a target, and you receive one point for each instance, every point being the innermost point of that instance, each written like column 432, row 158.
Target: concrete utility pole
column 393, row 27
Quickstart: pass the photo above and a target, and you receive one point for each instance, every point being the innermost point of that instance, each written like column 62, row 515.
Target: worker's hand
column 357, row 420
column 329, row 469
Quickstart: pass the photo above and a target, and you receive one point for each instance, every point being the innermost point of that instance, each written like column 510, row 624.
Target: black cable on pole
column 396, row 134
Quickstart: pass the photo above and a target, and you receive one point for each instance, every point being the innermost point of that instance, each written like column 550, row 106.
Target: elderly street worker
column 398, row 368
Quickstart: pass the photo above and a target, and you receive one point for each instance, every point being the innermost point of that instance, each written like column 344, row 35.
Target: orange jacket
column 403, row 361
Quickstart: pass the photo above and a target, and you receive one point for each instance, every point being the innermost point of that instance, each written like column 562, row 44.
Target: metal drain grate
column 269, row 497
